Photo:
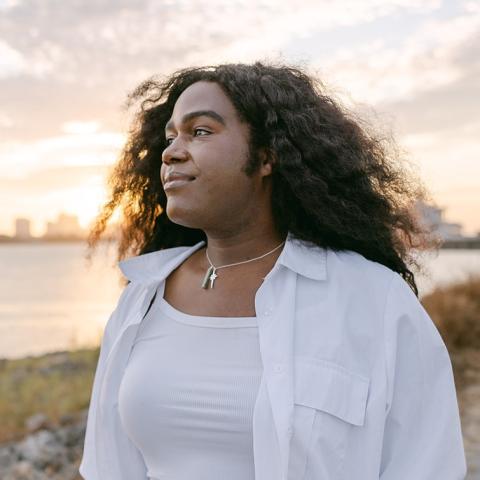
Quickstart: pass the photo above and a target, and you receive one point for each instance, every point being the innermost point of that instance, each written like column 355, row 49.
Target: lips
column 175, row 180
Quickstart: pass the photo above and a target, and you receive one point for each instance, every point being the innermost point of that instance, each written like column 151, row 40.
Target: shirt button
column 290, row 432
column 267, row 312
column 278, row 368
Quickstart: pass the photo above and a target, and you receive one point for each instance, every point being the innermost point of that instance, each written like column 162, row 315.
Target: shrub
column 455, row 310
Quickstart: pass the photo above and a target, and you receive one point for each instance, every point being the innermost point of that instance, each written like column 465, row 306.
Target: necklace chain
column 245, row 261
column 211, row 274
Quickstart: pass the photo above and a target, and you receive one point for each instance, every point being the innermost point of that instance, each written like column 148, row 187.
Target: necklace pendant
column 206, row 278
column 213, row 276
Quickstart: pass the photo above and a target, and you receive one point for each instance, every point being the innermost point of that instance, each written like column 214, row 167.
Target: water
column 51, row 300
column 448, row 266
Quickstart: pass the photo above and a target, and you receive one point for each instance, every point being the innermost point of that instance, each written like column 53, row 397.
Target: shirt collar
column 303, row 258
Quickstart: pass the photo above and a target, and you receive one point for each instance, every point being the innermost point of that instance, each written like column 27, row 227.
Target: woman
column 270, row 329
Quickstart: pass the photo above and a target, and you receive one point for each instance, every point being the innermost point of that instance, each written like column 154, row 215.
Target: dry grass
column 455, row 310
column 54, row 384
column 60, row 384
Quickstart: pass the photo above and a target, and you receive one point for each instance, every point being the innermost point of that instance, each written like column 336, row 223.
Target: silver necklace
column 211, row 274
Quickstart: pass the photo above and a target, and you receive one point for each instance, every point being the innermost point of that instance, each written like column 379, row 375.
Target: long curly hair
column 335, row 182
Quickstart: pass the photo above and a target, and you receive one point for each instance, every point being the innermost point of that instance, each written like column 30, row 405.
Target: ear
column 267, row 161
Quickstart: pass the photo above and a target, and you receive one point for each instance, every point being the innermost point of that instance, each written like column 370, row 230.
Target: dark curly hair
column 335, row 182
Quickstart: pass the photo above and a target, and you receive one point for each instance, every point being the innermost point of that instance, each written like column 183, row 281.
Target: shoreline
column 51, row 440
column 45, row 397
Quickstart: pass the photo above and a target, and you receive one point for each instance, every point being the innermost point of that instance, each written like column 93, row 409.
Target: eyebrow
column 199, row 113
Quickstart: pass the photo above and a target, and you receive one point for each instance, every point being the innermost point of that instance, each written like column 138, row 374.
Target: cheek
column 223, row 171
column 225, row 186
column 163, row 168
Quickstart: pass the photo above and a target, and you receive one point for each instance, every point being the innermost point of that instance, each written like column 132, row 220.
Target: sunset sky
column 67, row 67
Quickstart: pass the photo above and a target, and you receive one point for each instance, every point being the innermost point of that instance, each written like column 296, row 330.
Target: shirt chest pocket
column 329, row 400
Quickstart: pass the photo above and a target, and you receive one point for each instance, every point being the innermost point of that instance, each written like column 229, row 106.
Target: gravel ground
column 54, row 453
column 467, row 379
column 469, row 401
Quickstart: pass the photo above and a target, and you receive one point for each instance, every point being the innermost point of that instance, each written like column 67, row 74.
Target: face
column 202, row 166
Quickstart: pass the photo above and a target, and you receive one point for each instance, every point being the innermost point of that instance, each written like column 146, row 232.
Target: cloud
column 66, row 67
column 84, row 58
column 79, row 128
column 5, row 121
column 444, row 80
column 440, row 53
column 79, row 149
column 12, row 62
column 439, row 109
column 5, row 4
column 46, row 180
column 41, row 194
column 109, row 37
column 448, row 158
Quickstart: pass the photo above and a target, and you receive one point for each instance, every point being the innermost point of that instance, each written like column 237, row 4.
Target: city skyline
column 64, row 225
column 67, row 225
column 411, row 67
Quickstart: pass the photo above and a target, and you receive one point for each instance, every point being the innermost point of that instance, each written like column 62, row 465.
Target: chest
column 233, row 294
column 320, row 362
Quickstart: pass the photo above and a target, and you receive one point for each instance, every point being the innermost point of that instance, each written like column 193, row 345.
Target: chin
column 182, row 216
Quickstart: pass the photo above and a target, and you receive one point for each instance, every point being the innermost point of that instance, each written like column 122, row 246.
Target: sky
column 66, row 68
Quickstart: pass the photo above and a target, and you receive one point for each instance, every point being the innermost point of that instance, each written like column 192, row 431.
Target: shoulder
column 353, row 271
column 372, row 283
column 154, row 266
column 132, row 264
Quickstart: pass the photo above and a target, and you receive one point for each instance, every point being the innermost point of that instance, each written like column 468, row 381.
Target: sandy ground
column 467, row 379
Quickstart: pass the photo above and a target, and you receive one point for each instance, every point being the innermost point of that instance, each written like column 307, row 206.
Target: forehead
column 204, row 96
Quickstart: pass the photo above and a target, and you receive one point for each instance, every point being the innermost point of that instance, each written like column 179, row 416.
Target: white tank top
column 188, row 392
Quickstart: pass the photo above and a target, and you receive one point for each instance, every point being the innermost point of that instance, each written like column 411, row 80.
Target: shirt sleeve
column 87, row 468
column 422, row 436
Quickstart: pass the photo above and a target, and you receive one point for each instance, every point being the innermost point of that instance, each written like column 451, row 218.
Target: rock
column 71, row 435
column 66, row 419
column 8, row 457
column 43, row 449
column 24, row 471
column 59, row 362
column 53, row 454
column 37, row 422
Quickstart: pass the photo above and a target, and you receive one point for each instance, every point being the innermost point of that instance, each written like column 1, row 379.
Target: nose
column 174, row 153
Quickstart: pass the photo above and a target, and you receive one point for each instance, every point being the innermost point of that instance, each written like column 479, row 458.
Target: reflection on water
column 447, row 266
column 51, row 300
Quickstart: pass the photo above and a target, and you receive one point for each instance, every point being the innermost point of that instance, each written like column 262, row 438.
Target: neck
column 242, row 246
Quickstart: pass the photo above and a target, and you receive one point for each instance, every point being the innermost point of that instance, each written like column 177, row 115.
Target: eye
column 200, row 132
column 169, row 140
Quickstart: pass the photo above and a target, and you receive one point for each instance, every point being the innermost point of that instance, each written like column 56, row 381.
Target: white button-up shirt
column 357, row 382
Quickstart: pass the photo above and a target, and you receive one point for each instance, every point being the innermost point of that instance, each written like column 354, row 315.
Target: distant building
column 66, row 226
column 22, row 229
column 432, row 217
